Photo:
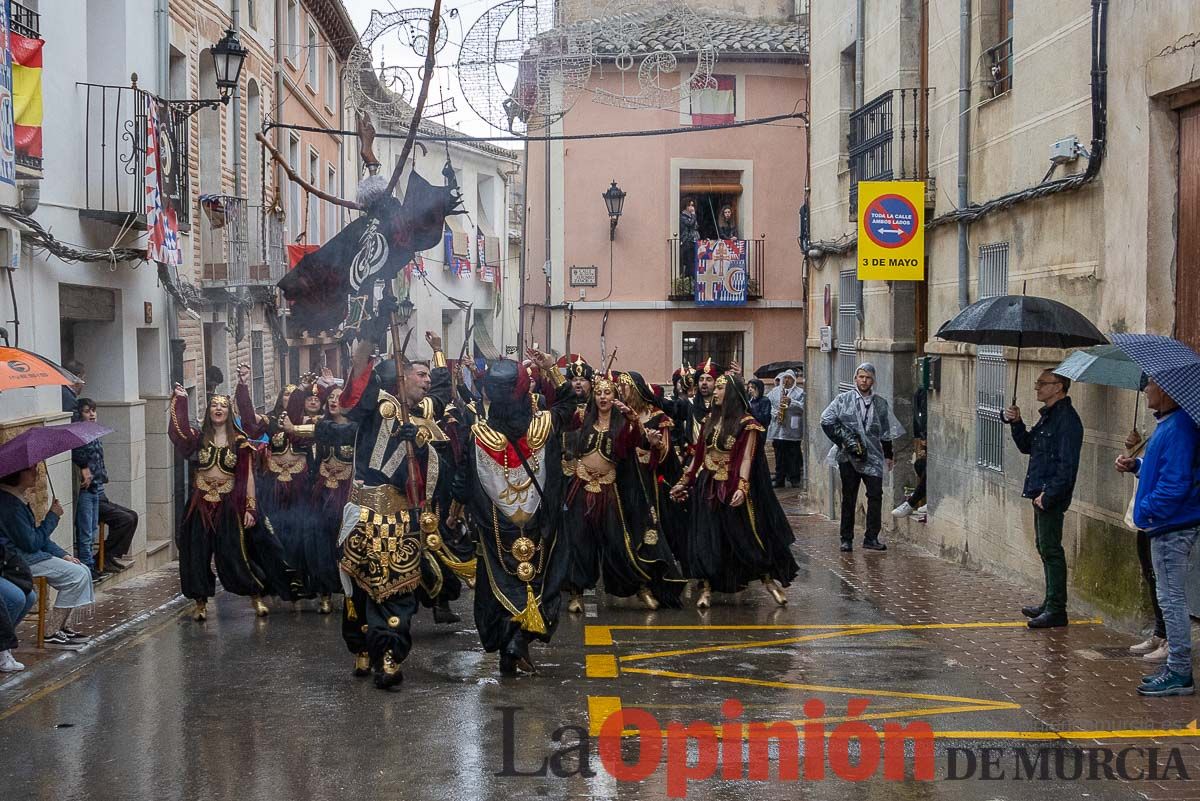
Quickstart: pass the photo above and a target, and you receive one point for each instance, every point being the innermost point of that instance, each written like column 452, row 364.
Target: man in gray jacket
column 787, row 429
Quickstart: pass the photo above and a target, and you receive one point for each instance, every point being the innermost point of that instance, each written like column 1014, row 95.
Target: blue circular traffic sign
column 890, row 221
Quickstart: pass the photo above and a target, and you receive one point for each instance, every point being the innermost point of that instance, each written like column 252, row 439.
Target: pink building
column 758, row 170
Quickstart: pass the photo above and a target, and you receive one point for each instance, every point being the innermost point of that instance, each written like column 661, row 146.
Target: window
column 330, row 82
column 314, row 57
column 847, row 328
column 712, row 190
column 721, row 346
column 252, row 13
column 293, row 31
column 998, row 33
column 314, row 204
column 991, row 370
column 257, row 371
column 293, row 212
column 870, row 145
column 713, row 102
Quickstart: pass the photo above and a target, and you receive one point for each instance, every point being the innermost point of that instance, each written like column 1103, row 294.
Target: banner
column 162, row 241
column 487, row 273
column 721, row 273
column 294, row 252
column 27, row 103
column 891, row 231
column 8, row 152
column 459, row 266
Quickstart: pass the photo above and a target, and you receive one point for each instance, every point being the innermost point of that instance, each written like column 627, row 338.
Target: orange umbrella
column 21, row 368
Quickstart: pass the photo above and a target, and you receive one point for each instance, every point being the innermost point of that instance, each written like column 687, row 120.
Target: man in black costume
column 511, row 485
column 384, row 523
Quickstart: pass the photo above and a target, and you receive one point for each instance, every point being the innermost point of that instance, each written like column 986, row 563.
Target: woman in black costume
column 739, row 532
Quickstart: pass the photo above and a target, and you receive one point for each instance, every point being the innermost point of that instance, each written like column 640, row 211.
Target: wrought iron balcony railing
column 224, row 241
column 683, row 275
column 114, row 163
column 885, row 140
column 24, row 20
column 999, row 59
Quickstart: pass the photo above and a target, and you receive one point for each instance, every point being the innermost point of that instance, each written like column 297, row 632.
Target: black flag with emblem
column 376, row 246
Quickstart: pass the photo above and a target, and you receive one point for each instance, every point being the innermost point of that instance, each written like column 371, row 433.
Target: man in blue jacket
column 1167, row 508
column 1053, row 446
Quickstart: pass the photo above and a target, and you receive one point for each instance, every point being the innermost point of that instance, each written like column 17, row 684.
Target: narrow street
column 267, row 709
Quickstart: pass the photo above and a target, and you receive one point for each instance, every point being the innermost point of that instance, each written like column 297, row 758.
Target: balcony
column 999, row 59
column 24, row 21
column 115, row 156
column 241, row 244
column 683, row 286
column 887, row 136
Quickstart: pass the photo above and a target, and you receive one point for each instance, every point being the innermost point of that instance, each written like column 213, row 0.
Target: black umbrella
column 772, row 369
column 1021, row 321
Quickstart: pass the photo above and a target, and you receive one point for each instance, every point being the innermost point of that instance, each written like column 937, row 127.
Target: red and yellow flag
column 27, row 95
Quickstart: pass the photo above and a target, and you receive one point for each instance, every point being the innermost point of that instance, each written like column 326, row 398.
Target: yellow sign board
column 891, row 230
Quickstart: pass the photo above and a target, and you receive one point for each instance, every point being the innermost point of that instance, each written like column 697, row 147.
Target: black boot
column 517, row 651
column 388, row 675
column 1033, row 611
column 1048, row 620
column 847, row 546
column 443, row 614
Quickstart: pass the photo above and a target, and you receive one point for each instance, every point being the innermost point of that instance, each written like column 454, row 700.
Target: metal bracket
column 187, row 108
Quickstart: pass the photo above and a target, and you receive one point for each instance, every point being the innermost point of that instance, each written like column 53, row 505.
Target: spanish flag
column 27, row 96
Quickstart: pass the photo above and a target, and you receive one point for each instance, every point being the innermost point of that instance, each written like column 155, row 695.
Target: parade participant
column 738, row 530
column 285, row 476
column 334, row 475
column 395, row 472
column 679, row 408
column 222, row 519
column 579, row 375
column 787, row 429
column 659, row 469
column 607, row 518
column 706, row 376
column 511, row 485
column 862, row 429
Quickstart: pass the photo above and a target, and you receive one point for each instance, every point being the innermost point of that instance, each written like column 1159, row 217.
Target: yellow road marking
column 599, row 708
column 738, row 646
column 597, row 635
column 601, row 666
column 821, row 688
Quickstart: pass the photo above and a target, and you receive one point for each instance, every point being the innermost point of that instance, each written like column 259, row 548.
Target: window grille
column 847, row 330
column 991, row 369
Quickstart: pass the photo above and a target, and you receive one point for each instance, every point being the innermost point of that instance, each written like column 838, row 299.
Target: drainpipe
column 964, row 143
column 236, row 14
column 860, row 46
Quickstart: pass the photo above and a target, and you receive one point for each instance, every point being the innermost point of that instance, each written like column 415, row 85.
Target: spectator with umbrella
column 1167, row 503
column 31, row 541
column 1054, row 442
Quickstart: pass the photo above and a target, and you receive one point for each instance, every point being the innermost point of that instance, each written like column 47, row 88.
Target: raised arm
column 252, row 424
column 185, row 438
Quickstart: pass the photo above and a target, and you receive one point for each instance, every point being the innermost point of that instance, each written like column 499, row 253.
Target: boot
column 260, row 608
column 519, row 660
column 362, row 664
column 576, row 604
column 705, row 599
column 775, row 590
column 443, row 614
column 200, row 611
column 1032, row 611
column 388, row 676
column 325, row 606
column 647, row 598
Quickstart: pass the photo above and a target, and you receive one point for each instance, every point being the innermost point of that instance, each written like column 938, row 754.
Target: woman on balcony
column 727, row 227
column 606, row 517
column 223, row 518
column 739, row 533
column 689, row 238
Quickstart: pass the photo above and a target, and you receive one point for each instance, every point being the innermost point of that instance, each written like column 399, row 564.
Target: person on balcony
column 727, row 227
column 689, row 238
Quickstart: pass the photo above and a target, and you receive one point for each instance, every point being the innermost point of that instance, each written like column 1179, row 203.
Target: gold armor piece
column 523, row 549
column 525, row 571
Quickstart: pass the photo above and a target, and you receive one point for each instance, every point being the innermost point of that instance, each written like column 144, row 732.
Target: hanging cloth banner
column 295, row 252
column 27, row 102
column 486, row 273
column 721, row 274
column 162, row 243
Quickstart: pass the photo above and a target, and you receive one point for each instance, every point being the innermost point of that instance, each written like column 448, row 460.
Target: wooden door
column 1187, row 278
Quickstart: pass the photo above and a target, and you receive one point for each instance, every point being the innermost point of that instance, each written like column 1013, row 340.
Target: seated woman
column 32, row 543
column 17, row 597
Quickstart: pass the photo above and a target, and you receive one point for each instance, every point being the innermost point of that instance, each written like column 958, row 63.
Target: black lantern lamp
column 614, row 200
column 228, row 56
column 405, row 311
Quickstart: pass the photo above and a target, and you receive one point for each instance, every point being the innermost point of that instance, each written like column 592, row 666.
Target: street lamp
column 614, row 200
column 228, row 56
column 405, row 311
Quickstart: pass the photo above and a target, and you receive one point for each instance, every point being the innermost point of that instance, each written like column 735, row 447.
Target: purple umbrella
column 38, row 444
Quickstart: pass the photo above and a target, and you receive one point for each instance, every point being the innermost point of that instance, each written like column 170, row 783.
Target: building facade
column 587, row 291
column 1112, row 242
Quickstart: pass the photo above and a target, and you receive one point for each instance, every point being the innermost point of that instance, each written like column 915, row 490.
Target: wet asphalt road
column 259, row 710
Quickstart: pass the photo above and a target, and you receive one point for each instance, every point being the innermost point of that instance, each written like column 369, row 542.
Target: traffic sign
column 891, row 231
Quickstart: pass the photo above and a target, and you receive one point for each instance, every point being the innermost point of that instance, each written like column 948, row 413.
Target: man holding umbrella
column 1167, row 504
column 1053, row 446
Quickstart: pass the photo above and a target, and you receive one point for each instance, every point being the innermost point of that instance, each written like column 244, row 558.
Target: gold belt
column 717, row 465
column 285, row 468
column 594, row 480
column 214, row 488
column 335, row 472
column 384, row 499
column 568, row 467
